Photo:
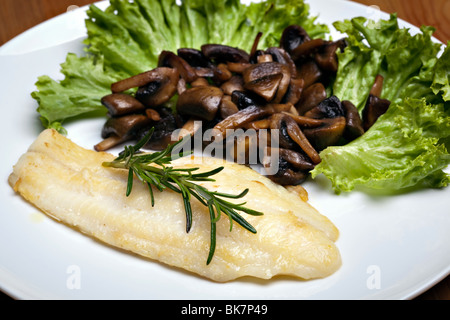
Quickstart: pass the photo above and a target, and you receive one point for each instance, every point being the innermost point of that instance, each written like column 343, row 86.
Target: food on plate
column 381, row 65
column 227, row 89
column 72, row 185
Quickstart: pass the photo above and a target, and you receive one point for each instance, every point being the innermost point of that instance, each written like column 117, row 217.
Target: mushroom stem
column 108, row 143
column 296, row 134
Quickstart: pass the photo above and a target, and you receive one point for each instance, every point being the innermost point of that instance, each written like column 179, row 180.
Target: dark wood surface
column 16, row 16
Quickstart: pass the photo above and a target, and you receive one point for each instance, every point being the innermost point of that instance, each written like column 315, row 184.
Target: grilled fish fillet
column 69, row 183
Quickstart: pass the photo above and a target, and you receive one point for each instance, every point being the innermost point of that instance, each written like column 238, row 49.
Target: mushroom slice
column 238, row 120
column 223, row 53
column 264, row 58
column 189, row 128
column 328, row 108
column 311, row 97
column 121, row 129
column 262, row 70
column 306, row 49
column 194, row 57
column 199, row 82
column 171, row 60
column 266, row 86
column 289, row 128
column 310, row 72
column 221, row 73
column 294, row 91
column 305, row 122
column 235, row 83
column 258, row 124
column 119, row 104
column 163, row 130
column 326, row 56
column 204, row 72
column 202, row 102
column 328, row 134
column 153, row 114
column 292, row 37
column 245, row 99
column 298, row 160
column 286, row 174
column 160, row 89
column 374, row 108
column 158, row 74
column 354, row 127
column 238, row 67
column 227, row 107
column 280, row 55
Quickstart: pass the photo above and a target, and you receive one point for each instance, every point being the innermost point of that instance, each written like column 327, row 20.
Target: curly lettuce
column 407, row 147
column 403, row 150
column 127, row 38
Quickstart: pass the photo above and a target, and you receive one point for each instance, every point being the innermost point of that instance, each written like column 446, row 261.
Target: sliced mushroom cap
column 354, row 127
column 290, row 132
column 227, row 107
column 265, row 86
column 245, row 99
column 286, row 174
column 264, row 58
column 281, row 56
column 269, row 79
column 235, row 83
column 310, row 72
column 294, row 92
column 154, row 75
column 328, row 134
column 160, row 89
column 202, row 102
column 125, row 126
column 223, row 53
column 306, row 49
column 194, row 57
column 238, row 120
column 119, row 104
column 329, row 108
column 292, row 37
column 171, row 60
column 298, row 160
column 326, row 56
column 311, row 97
column 121, row 129
column 374, row 108
column 163, row 129
column 221, row 73
column 238, row 67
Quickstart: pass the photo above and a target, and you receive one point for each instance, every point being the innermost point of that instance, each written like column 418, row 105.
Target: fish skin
column 69, row 183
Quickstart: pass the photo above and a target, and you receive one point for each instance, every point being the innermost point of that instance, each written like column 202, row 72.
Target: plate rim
column 18, row 292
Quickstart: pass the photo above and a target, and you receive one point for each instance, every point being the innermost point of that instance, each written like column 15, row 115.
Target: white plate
column 392, row 247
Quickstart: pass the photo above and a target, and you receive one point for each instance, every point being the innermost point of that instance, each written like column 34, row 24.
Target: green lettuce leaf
column 127, row 38
column 85, row 81
column 404, row 149
column 407, row 146
column 441, row 80
column 406, row 62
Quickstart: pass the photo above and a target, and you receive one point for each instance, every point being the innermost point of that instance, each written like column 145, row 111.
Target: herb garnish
column 152, row 169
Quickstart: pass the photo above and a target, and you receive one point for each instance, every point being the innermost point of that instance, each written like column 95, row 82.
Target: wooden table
column 17, row 16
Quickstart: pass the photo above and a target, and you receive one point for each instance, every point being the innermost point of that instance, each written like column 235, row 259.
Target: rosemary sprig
column 153, row 170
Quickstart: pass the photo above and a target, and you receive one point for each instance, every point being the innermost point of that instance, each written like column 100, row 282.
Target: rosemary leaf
column 154, row 170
